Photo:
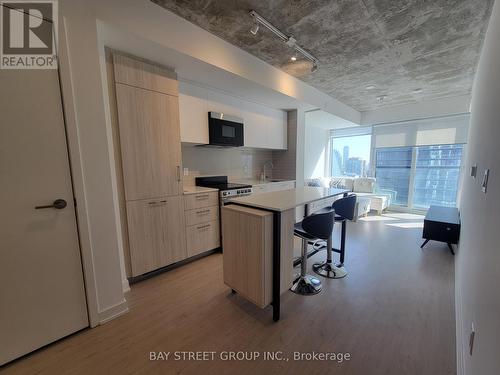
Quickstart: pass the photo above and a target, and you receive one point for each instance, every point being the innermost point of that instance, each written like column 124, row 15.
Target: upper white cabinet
column 193, row 114
column 266, row 131
column 277, row 132
column 264, row 127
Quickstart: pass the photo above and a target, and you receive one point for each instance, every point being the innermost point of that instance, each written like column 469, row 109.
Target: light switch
column 186, row 171
column 471, row 338
column 484, row 185
column 473, row 170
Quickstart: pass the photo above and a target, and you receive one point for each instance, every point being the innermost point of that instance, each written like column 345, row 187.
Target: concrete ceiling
column 410, row 50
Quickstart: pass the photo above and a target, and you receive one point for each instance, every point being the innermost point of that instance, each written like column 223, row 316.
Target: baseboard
column 125, row 286
column 113, row 312
column 459, row 327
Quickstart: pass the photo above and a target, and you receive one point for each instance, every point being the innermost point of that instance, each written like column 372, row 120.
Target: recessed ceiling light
column 417, row 91
column 293, row 58
column 370, row 87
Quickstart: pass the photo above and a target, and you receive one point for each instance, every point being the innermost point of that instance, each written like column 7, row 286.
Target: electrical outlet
column 186, row 171
column 471, row 338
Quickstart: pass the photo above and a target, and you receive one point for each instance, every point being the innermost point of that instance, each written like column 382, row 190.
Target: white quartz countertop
column 197, row 189
column 255, row 182
column 287, row 199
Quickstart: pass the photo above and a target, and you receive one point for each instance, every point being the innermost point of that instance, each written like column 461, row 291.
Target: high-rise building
column 345, row 157
column 355, row 167
column 336, row 167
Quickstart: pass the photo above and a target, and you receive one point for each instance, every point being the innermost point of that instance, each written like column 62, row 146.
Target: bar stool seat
column 299, row 231
column 313, row 227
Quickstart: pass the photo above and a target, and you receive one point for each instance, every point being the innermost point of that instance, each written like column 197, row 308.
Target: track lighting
column 288, row 40
column 255, row 28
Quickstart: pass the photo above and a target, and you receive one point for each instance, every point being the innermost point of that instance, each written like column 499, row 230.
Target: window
column 350, row 156
column 392, row 170
column 437, row 175
column 420, row 176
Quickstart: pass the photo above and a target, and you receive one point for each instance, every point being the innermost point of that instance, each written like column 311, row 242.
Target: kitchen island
column 261, row 224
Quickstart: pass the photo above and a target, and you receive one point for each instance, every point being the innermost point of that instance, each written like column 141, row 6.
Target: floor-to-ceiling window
column 420, row 176
column 350, row 152
column 393, row 170
column 420, row 161
column 437, row 175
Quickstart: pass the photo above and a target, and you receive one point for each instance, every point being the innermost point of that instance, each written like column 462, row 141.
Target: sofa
column 370, row 196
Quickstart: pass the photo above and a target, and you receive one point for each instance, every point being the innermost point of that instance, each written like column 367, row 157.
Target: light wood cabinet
column 148, row 130
column 202, row 222
column 150, row 142
column 247, row 235
column 138, row 73
column 156, row 233
column 202, row 237
column 200, row 200
column 202, row 215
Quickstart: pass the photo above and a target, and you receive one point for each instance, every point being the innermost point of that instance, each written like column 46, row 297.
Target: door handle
column 58, row 203
column 178, row 173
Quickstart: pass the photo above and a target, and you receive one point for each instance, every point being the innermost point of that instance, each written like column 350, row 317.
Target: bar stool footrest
column 307, row 285
column 329, row 270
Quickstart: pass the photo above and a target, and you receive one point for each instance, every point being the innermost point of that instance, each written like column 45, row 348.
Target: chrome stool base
column 307, row 285
column 329, row 270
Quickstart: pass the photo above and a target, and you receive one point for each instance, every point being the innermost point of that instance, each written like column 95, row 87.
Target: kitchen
column 168, row 220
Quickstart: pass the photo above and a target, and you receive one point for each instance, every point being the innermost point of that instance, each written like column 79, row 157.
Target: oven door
column 225, row 130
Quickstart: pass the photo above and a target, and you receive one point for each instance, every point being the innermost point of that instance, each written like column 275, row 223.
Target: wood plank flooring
column 394, row 314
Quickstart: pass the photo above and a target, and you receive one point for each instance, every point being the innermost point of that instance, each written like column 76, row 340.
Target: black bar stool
column 313, row 227
column 344, row 210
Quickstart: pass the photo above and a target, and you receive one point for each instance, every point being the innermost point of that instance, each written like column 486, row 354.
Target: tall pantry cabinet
column 148, row 121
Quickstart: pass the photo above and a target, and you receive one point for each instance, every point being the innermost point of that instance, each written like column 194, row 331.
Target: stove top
column 219, row 182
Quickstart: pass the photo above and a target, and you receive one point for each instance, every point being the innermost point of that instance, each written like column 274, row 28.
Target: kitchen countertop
column 197, row 189
column 256, row 182
column 287, row 199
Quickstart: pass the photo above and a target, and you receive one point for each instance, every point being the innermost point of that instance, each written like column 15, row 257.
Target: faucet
column 268, row 164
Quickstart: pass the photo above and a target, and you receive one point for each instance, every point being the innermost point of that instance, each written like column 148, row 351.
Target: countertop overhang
column 288, row 199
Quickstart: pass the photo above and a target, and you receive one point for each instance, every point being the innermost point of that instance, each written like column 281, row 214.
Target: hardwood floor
column 394, row 314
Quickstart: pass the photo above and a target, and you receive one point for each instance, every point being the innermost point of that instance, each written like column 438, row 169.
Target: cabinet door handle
column 157, row 202
column 178, row 173
column 203, row 212
column 204, row 196
column 203, row 226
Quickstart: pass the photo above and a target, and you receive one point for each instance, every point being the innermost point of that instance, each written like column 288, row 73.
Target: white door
column 42, row 296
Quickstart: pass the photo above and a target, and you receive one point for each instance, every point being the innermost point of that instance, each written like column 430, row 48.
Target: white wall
column 478, row 258
column 315, row 151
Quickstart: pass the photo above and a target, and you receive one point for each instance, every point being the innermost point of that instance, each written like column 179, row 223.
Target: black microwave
column 224, row 130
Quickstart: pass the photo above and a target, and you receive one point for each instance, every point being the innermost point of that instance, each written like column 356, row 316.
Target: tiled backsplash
column 236, row 163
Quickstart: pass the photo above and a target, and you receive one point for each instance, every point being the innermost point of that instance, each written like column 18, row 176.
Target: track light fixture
column 255, row 28
column 289, row 40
